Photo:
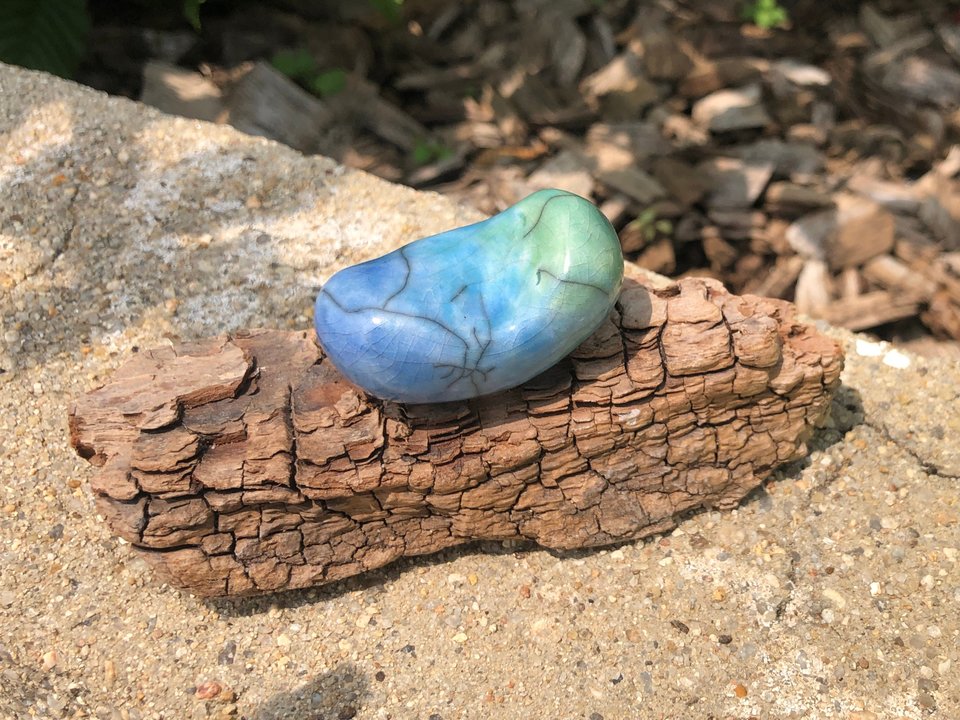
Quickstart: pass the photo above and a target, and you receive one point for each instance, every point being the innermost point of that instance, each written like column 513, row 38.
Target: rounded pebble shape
column 474, row 310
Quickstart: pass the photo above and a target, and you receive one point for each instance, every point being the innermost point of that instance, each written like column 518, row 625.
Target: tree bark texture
column 246, row 464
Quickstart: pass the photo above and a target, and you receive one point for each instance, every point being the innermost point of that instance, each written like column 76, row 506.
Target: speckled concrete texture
column 832, row 593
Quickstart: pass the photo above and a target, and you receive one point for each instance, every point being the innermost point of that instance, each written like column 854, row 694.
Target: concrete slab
column 833, row 593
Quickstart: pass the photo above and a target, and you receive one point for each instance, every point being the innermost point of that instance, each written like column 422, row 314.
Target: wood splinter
column 246, row 464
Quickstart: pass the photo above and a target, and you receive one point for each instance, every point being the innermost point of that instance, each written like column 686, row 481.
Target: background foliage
column 46, row 35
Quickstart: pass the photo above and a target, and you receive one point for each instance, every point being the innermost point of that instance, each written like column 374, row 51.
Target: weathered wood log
column 246, row 463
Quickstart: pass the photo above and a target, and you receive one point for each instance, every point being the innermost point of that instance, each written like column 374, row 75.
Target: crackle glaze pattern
column 477, row 309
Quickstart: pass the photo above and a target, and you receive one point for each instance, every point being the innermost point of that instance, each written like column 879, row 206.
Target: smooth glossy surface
column 477, row 309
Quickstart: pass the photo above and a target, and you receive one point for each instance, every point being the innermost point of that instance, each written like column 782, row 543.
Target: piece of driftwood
column 246, row 463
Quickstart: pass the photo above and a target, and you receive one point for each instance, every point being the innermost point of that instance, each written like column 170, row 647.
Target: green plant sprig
column 301, row 67
column 766, row 14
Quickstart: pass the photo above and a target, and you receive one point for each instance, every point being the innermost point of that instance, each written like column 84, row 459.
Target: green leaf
column 422, row 153
column 191, row 11
column 765, row 14
column 44, row 34
column 428, row 151
column 296, row 64
column 647, row 217
column 328, row 83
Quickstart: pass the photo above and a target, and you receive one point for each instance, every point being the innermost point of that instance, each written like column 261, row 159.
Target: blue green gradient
column 477, row 309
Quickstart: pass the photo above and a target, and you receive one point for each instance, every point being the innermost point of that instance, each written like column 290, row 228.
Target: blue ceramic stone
column 474, row 310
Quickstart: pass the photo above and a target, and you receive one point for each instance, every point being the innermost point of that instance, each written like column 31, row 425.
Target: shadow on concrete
column 374, row 581
column 337, row 694
column 846, row 413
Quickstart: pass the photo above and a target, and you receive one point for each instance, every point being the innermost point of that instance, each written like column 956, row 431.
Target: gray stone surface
column 833, row 593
